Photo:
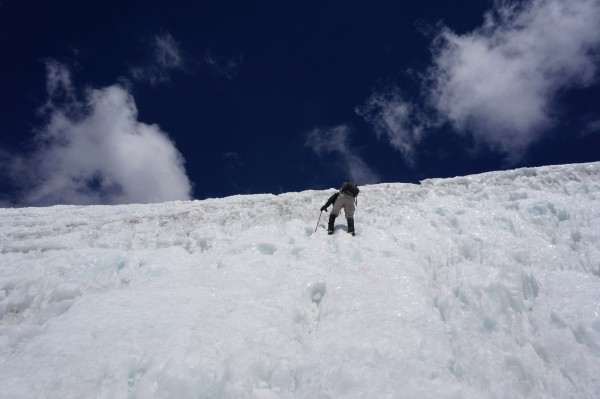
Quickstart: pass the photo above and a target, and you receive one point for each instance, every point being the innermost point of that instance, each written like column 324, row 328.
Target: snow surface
column 484, row 286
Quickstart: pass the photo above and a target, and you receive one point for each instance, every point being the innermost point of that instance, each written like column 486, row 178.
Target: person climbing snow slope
column 345, row 198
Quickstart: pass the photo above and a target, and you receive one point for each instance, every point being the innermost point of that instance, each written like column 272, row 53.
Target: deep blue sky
column 252, row 80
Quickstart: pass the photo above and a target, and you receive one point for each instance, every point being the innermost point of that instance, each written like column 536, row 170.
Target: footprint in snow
column 308, row 315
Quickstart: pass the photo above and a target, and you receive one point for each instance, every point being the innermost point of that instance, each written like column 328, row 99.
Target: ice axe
column 318, row 221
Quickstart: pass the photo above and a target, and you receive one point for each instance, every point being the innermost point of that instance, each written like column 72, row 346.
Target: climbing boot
column 330, row 225
column 351, row 226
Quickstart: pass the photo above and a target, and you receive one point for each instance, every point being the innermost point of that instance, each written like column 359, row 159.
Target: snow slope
column 484, row 286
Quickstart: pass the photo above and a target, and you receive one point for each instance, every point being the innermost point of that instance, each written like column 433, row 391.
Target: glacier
column 482, row 286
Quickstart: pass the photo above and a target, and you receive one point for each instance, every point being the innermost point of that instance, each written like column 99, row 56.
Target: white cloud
column 97, row 152
column 167, row 57
column 499, row 82
column 335, row 141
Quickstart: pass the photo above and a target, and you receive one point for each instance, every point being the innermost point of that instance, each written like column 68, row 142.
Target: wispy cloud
column 167, row 57
column 223, row 66
column 95, row 151
column 58, row 84
column 499, row 83
column 398, row 120
column 591, row 127
column 335, row 142
column 168, row 54
column 232, row 160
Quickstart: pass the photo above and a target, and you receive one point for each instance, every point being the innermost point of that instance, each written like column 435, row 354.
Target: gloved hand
column 323, row 208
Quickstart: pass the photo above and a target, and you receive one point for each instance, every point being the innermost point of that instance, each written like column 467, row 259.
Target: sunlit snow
column 484, row 286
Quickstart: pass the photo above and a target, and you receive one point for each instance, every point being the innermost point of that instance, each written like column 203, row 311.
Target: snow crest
column 470, row 287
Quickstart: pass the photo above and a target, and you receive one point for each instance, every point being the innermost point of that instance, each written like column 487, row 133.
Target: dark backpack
column 350, row 188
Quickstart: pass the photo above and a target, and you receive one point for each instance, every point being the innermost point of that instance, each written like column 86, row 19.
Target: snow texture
column 484, row 286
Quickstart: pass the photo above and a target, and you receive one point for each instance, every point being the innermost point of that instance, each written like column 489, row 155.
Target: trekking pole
column 318, row 221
